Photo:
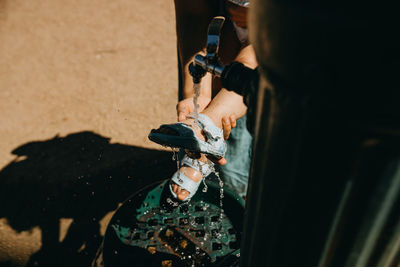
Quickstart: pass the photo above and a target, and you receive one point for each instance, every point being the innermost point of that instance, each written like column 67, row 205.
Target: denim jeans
column 235, row 173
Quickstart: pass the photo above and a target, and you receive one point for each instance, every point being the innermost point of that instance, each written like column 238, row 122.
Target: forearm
column 247, row 56
column 227, row 103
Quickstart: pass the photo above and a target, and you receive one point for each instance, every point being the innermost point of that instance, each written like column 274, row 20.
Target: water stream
column 219, row 223
column 196, row 88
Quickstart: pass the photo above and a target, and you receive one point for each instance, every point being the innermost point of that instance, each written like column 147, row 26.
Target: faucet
column 210, row 62
column 234, row 76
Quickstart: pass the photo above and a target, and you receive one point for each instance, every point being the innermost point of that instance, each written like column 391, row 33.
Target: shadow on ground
column 81, row 176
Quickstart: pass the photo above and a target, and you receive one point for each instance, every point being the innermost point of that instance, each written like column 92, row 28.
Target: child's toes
column 183, row 195
column 174, row 188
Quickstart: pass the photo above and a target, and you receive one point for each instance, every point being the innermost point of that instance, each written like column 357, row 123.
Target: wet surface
column 152, row 229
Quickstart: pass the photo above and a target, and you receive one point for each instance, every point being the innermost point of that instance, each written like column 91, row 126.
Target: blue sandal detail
column 187, row 139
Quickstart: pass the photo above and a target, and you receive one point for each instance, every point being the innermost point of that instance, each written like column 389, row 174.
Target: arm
column 247, row 56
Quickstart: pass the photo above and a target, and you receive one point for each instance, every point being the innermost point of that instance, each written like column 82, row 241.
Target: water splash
column 175, row 157
column 221, row 188
column 196, row 88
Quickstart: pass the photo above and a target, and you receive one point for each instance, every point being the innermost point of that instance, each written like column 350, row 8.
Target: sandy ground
column 81, row 85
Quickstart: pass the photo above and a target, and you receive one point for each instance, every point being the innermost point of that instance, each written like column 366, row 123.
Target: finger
column 220, row 161
column 226, row 125
column 181, row 116
column 182, row 111
column 232, row 118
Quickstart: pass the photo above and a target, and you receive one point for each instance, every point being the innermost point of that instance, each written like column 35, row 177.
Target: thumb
column 183, row 111
column 181, row 116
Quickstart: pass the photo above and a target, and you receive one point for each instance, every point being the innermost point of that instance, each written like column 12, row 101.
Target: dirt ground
column 81, row 85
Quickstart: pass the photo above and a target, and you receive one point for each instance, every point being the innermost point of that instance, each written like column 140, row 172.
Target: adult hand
column 186, row 106
column 227, row 124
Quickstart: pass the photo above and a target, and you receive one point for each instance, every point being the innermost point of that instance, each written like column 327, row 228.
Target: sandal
column 185, row 182
column 184, row 137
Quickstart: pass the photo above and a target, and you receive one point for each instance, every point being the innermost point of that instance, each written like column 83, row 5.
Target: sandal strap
column 198, row 165
column 185, row 183
column 208, row 127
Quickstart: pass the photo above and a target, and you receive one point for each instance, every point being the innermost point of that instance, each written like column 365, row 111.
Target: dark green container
column 152, row 229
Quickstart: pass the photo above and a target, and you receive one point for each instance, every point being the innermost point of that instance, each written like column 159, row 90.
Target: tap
column 210, row 62
column 234, row 76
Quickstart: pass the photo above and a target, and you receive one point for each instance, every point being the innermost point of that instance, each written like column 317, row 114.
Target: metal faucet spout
column 213, row 37
column 210, row 62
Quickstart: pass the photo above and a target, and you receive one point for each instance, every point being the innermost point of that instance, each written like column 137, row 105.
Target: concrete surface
column 81, row 85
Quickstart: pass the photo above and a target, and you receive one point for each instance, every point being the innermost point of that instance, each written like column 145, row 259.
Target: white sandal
column 185, row 182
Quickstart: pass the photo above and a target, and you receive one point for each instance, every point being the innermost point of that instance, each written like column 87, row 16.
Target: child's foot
column 191, row 173
column 187, row 179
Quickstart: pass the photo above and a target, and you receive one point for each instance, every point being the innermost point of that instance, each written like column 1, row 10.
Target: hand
column 186, row 106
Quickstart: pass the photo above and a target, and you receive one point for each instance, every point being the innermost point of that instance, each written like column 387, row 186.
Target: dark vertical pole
column 319, row 107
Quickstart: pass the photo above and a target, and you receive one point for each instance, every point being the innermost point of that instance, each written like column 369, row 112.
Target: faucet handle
column 214, row 31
